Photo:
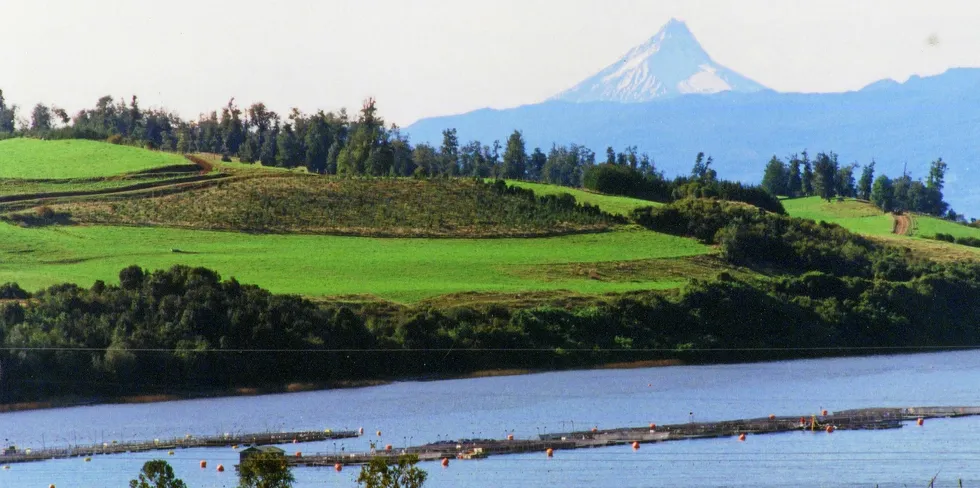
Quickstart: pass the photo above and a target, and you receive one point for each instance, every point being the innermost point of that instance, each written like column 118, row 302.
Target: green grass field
column 930, row 226
column 36, row 159
column 854, row 215
column 403, row 270
column 610, row 203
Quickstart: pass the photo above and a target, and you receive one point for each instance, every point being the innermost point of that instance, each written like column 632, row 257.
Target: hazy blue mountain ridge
column 894, row 123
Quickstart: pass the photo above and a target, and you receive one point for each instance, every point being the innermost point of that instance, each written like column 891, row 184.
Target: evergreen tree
column 900, row 193
column 267, row 153
column 232, row 129
column 882, row 193
column 610, row 155
column 536, row 164
column 824, row 175
column 40, row 118
column 183, row 140
column 288, row 150
column 866, row 181
column 844, row 181
column 248, row 152
column 7, row 115
column 449, row 153
column 776, row 177
column 426, row 159
column 134, row 117
column 935, row 182
column 702, row 171
column 794, row 183
column 333, row 154
column 515, row 157
column 402, row 163
column 806, row 181
column 317, row 144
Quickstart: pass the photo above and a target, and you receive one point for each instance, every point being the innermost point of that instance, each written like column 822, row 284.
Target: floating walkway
column 186, row 442
column 861, row 419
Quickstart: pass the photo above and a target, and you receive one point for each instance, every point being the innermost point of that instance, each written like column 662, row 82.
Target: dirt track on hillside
column 903, row 222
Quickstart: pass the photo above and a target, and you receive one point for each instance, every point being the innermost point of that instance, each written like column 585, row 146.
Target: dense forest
column 830, row 292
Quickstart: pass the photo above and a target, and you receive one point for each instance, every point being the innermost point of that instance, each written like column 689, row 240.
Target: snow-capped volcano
column 670, row 63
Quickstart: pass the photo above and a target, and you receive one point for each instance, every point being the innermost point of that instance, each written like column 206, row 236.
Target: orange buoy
column 221, row 468
column 299, row 454
column 379, row 433
column 204, row 464
column 510, row 437
column 51, row 485
column 636, row 445
column 595, row 429
column 338, row 467
column 550, row 452
column 919, row 421
column 823, row 412
column 653, row 426
column 830, row 428
column 388, row 447
column 445, row 462
column 741, row 437
column 772, row 416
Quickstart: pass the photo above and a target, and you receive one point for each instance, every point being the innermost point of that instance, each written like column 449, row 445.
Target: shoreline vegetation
column 804, row 290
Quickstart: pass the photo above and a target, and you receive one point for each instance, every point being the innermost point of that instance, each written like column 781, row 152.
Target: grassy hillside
column 610, row 203
column 864, row 218
column 36, row 159
column 396, row 269
column 287, row 202
column 926, row 226
column 854, row 215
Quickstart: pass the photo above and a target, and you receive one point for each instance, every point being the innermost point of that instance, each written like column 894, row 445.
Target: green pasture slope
column 854, row 215
column 610, row 203
column 71, row 159
column 865, row 218
column 930, row 226
column 403, row 270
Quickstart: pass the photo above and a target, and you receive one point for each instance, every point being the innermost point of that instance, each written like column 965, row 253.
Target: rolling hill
column 74, row 159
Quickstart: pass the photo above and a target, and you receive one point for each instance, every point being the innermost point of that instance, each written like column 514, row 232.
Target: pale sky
column 422, row 58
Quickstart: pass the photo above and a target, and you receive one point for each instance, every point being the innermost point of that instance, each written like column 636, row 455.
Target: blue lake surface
column 419, row 412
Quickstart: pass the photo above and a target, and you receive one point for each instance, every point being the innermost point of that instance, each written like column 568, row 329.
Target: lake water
column 419, row 412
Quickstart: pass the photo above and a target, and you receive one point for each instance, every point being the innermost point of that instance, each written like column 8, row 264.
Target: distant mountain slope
column 670, row 63
column 894, row 123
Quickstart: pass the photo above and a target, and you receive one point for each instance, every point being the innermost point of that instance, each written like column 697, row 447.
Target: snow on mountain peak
column 670, row 63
